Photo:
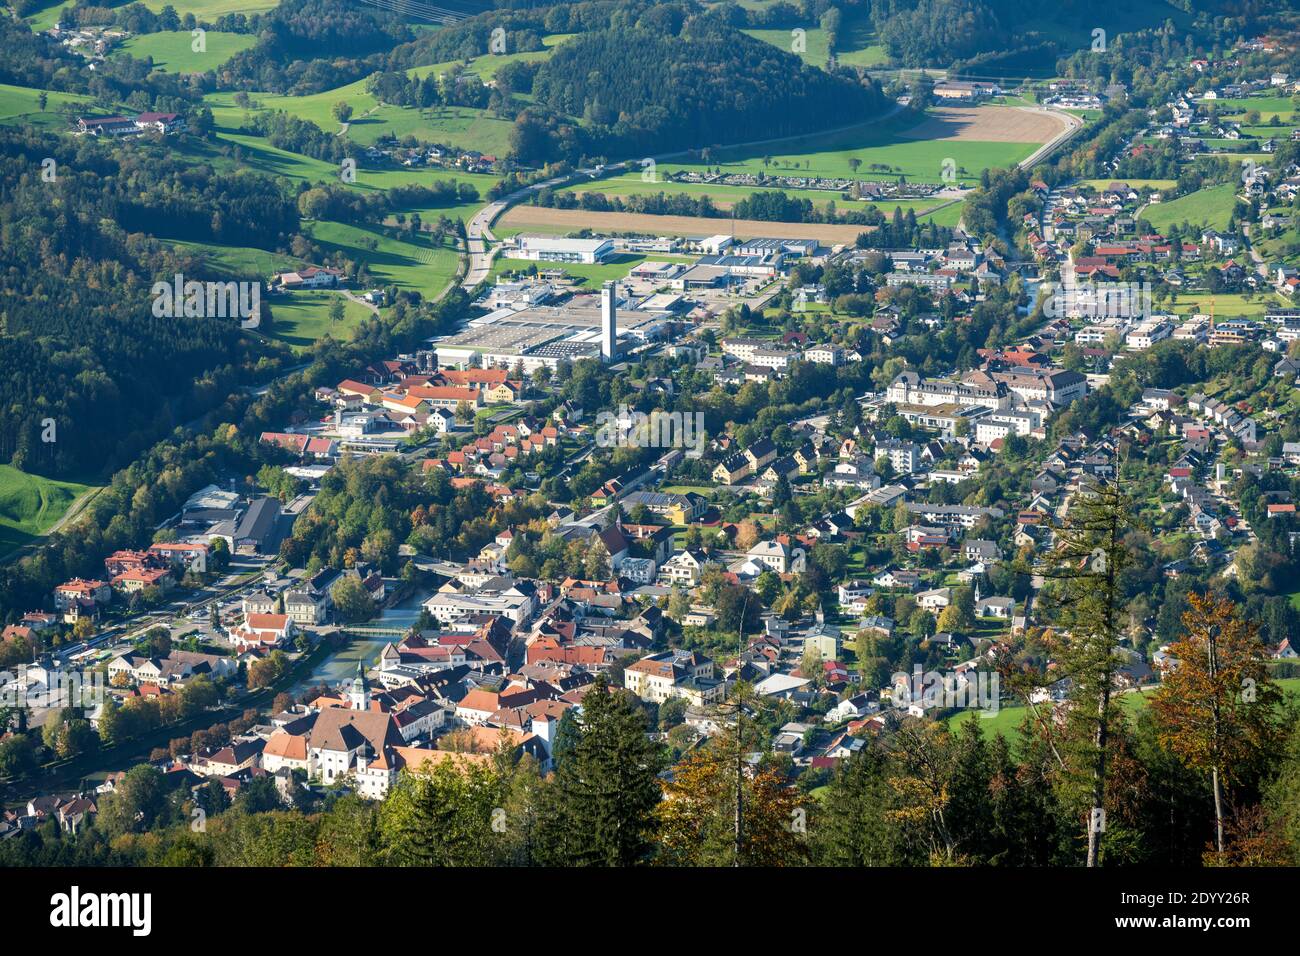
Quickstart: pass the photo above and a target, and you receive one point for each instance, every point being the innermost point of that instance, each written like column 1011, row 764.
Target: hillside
column 706, row 85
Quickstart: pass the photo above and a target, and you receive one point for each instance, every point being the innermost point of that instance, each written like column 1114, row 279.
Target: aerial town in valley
column 886, row 486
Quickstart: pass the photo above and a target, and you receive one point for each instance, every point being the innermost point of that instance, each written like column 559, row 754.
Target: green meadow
column 1283, row 107
column 881, row 142
column 172, row 51
column 256, row 153
column 1210, row 208
column 723, row 196
column 208, row 10
column 303, row 317
column 1226, row 305
column 31, row 504
column 858, row 47
column 243, row 262
column 416, row 265
column 1135, row 183
column 21, row 105
column 457, row 126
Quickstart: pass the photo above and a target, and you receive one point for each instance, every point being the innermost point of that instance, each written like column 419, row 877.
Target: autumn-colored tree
column 1219, row 711
column 747, row 534
column 698, row 820
column 697, row 816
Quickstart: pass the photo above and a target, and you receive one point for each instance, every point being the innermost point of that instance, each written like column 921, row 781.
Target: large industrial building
column 591, row 326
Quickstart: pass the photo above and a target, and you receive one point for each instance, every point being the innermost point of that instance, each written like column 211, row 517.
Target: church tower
column 359, row 696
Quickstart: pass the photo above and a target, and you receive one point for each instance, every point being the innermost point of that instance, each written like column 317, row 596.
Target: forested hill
column 655, row 91
column 79, row 342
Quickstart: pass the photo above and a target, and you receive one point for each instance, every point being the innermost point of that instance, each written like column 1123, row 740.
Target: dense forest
column 74, row 296
column 707, row 84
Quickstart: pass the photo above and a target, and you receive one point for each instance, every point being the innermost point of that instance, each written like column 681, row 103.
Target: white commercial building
column 558, row 249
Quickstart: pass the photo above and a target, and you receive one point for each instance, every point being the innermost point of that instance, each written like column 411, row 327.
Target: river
column 343, row 665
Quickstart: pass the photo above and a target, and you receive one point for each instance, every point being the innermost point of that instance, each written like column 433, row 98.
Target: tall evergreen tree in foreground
column 1085, row 567
column 599, row 808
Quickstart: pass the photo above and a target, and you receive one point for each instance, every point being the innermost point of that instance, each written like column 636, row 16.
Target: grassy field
column 1269, row 106
column 20, row 105
column 1135, row 183
column 239, row 261
column 859, row 51
column 889, row 143
column 30, row 504
column 211, row 9
column 415, row 265
column 258, row 154
column 1007, row 721
column 302, row 317
column 1209, row 207
column 172, row 52
column 724, row 197
column 616, row 267
column 1226, row 306
column 457, row 126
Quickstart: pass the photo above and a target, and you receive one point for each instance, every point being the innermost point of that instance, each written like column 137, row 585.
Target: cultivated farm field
column 523, row 218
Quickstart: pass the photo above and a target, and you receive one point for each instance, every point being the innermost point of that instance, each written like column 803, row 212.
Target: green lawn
column 47, row 16
column 173, row 53
column 1210, row 208
column 458, row 126
column 258, row 154
column 30, row 504
column 302, row 317
column 857, row 45
column 242, row 262
column 1135, row 183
